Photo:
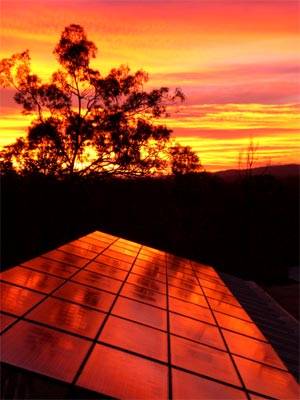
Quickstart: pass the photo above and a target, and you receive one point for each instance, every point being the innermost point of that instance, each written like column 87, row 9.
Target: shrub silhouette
column 184, row 160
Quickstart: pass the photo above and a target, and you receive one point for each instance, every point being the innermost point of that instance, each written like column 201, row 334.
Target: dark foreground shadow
column 247, row 227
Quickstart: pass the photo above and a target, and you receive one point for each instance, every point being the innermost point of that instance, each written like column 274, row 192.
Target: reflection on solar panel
column 106, row 315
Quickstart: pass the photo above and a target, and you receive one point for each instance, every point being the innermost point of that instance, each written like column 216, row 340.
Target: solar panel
column 107, row 315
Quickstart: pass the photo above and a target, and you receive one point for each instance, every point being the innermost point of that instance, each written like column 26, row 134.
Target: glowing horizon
column 235, row 60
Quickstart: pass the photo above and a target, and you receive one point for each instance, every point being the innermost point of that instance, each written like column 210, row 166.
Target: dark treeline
column 247, row 227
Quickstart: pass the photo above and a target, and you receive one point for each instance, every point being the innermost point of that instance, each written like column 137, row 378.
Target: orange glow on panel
column 138, row 338
column 125, row 344
column 50, row 266
column 31, row 279
column 253, row 349
column 108, row 369
column 278, row 384
column 69, row 317
column 16, row 300
column 85, row 295
column 42, row 350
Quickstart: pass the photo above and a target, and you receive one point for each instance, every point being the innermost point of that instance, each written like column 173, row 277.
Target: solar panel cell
column 85, row 295
column 204, row 360
column 5, row 321
column 135, row 337
column 67, row 258
column 151, row 272
column 144, row 295
column 75, row 250
column 251, row 348
column 68, row 316
column 107, row 270
column 119, row 256
column 17, row 300
column 229, row 309
column 31, row 279
column 43, row 350
column 239, row 326
column 190, row 387
column 193, row 287
column 57, row 268
column 221, row 296
column 186, row 295
column 89, row 246
column 151, row 284
column 98, row 281
column 196, row 330
column 113, row 262
column 151, row 262
column 191, row 310
column 139, row 312
column 125, row 376
column 267, row 380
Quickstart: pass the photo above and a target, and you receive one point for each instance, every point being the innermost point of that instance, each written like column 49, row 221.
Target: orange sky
column 236, row 61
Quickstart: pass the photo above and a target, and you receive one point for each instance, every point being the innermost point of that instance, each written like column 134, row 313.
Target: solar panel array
column 132, row 322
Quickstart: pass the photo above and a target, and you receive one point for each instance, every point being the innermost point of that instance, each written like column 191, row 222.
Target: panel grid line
column 66, row 280
column 79, row 371
column 169, row 335
column 226, row 345
column 44, row 324
column 49, row 294
column 198, row 286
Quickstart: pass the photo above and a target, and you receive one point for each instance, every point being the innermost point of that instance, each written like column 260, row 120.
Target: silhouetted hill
column 278, row 171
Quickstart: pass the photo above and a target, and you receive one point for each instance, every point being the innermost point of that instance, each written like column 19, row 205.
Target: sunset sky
column 237, row 62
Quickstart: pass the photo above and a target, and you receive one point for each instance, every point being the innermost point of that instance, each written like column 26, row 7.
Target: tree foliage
column 184, row 160
column 83, row 122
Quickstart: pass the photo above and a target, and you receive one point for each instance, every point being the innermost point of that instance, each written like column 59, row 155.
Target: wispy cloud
column 236, row 60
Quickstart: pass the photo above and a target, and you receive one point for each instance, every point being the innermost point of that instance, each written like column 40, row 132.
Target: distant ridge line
column 279, row 171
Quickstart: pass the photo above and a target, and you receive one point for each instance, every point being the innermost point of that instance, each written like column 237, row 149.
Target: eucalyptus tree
column 83, row 122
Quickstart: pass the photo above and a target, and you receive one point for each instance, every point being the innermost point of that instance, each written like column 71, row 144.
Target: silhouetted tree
column 249, row 159
column 184, row 160
column 86, row 123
